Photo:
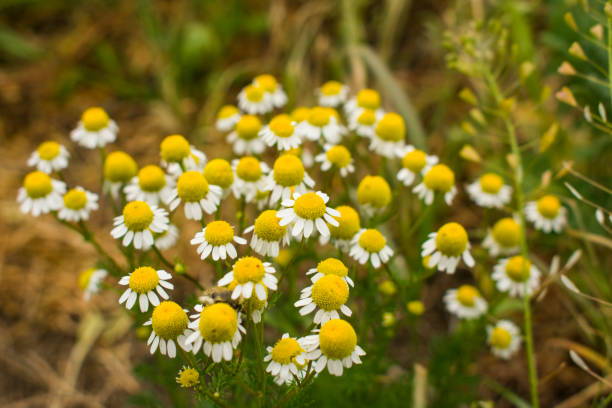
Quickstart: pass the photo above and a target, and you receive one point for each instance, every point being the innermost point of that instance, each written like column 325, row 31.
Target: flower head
column 281, row 132
column 373, row 193
column 338, row 157
column 489, row 191
column 49, row 156
column 188, row 377
column 151, row 184
column 547, row 214
column 517, row 276
column 245, row 137
column 329, row 295
column 414, row 162
column 142, row 284
column 287, row 359
column 322, row 123
column 268, row 234
column 89, row 281
column 95, row 129
column 389, row 135
column 466, row 302
column 217, row 239
column 255, row 100
column 179, row 156
column 40, row 194
column 288, row 175
column 252, row 276
column 370, row 244
column 272, row 89
column 365, row 99
column 438, row 179
column 227, row 118
column 250, row 177
column 78, row 203
column 348, row 225
column 307, row 211
column 138, row 222
column 169, row 323
column 504, row 338
column 193, row 189
column 332, row 93
column 504, row 238
column 447, row 247
column 119, row 168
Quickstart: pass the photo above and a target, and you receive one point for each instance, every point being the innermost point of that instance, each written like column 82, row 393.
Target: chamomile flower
column 334, row 346
column 504, row 238
column 489, row 191
column 414, row 161
column 329, row 295
column 300, row 114
column 447, row 247
column 504, row 338
column 272, row 88
column 348, row 225
column 245, row 137
column 329, row 266
column 438, row 179
column 166, row 239
column 49, row 156
column 287, row 175
column 254, row 100
column 193, row 189
column 255, row 306
column 364, row 123
column 332, row 94
column 89, row 281
column 389, row 135
column 151, row 184
column 40, row 194
column 179, row 156
column 119, row 168
column 252, row 276
column 217, row 239
column 78, row 203
column 250, row 177
column 307, row 211
column 281, row 132
column 287, row 359
column 95, row 129
column 227, row 118
column 268, row 234
column 138, row 223
column 142, row 284
column 465, row 302
column 370, row 244
column 338, row 157
column 169, row 322
column 547, row 214
column 373, row 194
column 365, row 99
column 218, row 328
column 188, row 377
column 322, row 124
column 517, row 276
column 218, row 172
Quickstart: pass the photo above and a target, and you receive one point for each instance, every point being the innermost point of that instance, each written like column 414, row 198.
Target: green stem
column 171, row 266
column 610, row 58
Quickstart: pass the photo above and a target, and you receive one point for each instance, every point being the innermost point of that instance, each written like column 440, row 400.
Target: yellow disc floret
column 439, row 178
column 391, row 128
column 218, row 323
column 285, row 350
column 219, row 233
column 518, row 268
column 219, row 172
column 500, row 338
column 330, row 292
column 348, row 223
column 282, row 125
column 75, row 199
column 248, row 127
column 254, row 93
column 331, row 88
column 491, row 183
column 188, row 377
column 288, row 170
column 169, row 320
column 372, row 240
column 174, row 148
column 95, row 119
column 249, row 169
column 467, row 294
column 119, row 167
column 309, row 206
column 267, row 226
column 227, row 111
column 192, row 186
column 507, row 233
column 549, row 206
column 267, row 82
column 374, row 191
column 48, row 150
column 414, row 160
column 339, row 156
column 137, row 215
column 369, row 99
column 451, row 239
column 85, row 277
column 319, row 116
column 337, row 339
column 143, row 279
column 248, row 269
column 37, row 184
column 332, row 266
column 151, row 178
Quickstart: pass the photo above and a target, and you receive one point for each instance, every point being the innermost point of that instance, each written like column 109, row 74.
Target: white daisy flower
column 268, row 234
column 245, row 137
column 516, row 276
column 332, row 94
column 89, row 281
column 447, row 247
column 138, row 223
column 365, row 99
column 465, row 302
column 40, row 194
column 437, row 179
column 373, row 194
column 254, row 100
column 342, row 235
column 169, row 323
column 272, row 88
column 252, row 276
column 307, row 211
column 119, row 168
column 364, row 123
column 166, row 239
column 227, row 118
column 329, row 266
column 151, row 185
column 323, row 124
column 504, row 338
column 370, row 244
column 287, row 359
column 281, row 132
column 217, row 240
column 193, row 189
column 178, row 156
column 219, row 172
column 142, row 284
column 547, row 214
column 95, row 129
column 389, row 135
column 338, row 157
column 49, row 156
column 250, row 177
column 78, row 203
column 288, row 175
column 489, row 191
column 504, row 238
column 329, row 295
column 414, row 162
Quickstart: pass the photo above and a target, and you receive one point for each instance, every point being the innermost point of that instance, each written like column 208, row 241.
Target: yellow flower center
column 249, row 169
column 319, row 116
column 119, row 167
column 337, row 339
column 174, row 148
column 254, row 93
column 267, row 82
column 248, row 127
column 309, row 206
column 227, row 111
column 169, row 320
column 288, row 170
column 391, row 128
column 518, row 268
column 192, row 186
column 369, row 99
column 267, row 226
column 348, row 223
column 85, row 277
column 188, row 377
column 330, row 292
column 374, row 191
column 467, row 294
column 332, row 266
column 219, row 233
column 281, row 125
column 75, row 199
column 549, row 206
column 439, row 178
column 415, row 160
column 137, row 215
column 143, row 279
column 500, row 338
column 507, row 232
column 387, row 288
column 416, row 307
column 339, row 156
column 331, row 88
column 248, row 269
column 37, row 184
column 285, row 350
column 151, row 178
column 48, row 150
column 300, row 114
column 372, row 240
column 95, row 119
column 451, row 239
column 491, row 183
column 219, row 172
column 367, row 117
column 218, row 323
